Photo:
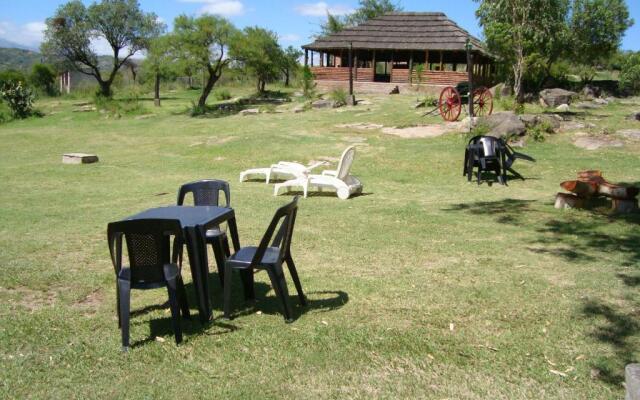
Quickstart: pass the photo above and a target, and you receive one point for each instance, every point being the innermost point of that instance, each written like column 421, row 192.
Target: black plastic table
column 195, row 221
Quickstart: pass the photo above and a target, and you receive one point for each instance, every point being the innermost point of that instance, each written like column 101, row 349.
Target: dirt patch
column 91, row 302
column 30, row 299
column 595, row 143
column 424, row 131
column 633, row 134
column 361, row 126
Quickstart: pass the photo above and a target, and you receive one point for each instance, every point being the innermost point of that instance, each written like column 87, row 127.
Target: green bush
column 118, row 108
column 11, row 76
column 43, row 77
column 222, row 94
column 339, row 96
column 308, row 83
column 630, row 74
column 5, row 113
column 19, row 98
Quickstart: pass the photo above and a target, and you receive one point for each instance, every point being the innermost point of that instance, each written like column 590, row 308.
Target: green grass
column 426, row 287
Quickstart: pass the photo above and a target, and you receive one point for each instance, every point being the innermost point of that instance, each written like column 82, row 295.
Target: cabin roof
column 402, row 31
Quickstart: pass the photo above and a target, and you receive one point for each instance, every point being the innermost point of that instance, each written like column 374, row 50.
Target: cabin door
column 383, row 71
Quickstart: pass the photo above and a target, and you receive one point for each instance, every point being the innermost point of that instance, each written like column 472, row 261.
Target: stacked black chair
column 152, row 265
column 511, row 156
column 207, row 193
column 269, row 257
column 486, row 153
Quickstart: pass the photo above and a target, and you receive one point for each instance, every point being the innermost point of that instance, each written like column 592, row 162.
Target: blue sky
column 295, row 21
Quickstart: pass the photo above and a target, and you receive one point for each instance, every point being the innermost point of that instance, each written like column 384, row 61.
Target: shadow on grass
column 579, row 240
column 324, row 193
column 267, row 302
column 566, row 237
column 616, row 330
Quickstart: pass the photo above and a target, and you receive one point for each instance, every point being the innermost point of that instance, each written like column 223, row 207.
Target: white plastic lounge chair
column 339, row 179
column 282, row 169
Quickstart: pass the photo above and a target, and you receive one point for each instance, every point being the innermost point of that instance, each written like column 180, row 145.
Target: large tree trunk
column 286, row 78
column 518, row 71
column 105, row 88
column 156, row 98
column 206, row 90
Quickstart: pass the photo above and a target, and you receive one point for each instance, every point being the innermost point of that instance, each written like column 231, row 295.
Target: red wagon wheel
column 450, row 104
column 482, row 102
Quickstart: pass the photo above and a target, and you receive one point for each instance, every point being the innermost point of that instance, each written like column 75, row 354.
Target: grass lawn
column 425, row 287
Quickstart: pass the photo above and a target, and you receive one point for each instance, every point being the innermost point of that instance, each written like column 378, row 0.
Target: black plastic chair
column 270, row 258
column 207, row 193
column 152, row 265
column 477, row 157
column 511, row 156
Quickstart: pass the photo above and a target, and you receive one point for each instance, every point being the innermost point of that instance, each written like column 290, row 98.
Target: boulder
column 634, row 116
column 633, row 134
column 602, row 102
column 532, row 120
column 563, row 108
column 595, row 143
column 591, row 92
column 250, row 111
column 555, row 97
column 321, row 104
column 504, row 124
column 298, row 109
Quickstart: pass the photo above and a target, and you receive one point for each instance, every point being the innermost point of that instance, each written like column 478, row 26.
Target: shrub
column 11, row 76
column 308, row 83
column 630, row 74
column 509, row 103
column 222, row 94
column 419, row 68
column 19, row 98
column 43, row 77
column 339, row 96
column 118, row 108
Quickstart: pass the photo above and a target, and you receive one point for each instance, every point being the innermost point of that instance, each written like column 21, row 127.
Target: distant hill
column 23, row 60
column 13, row 45
column 19, row 59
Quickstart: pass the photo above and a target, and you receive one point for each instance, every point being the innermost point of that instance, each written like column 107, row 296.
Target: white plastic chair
column 286, row 169
column 339, row 179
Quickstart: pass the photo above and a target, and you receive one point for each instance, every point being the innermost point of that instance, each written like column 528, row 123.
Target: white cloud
column 320, row 9
column 291, row 37
column 28, row 35
column 227, row 8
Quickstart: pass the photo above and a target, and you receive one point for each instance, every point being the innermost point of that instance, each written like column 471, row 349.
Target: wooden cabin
column 390, row 50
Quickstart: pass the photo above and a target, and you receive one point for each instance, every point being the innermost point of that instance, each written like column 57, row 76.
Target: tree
column 121, row 23
column 258, row 51
column 367, row 10
column 520, row 30
column 290, row 63
column 43, row 77
column 630, row 73
column 370, row 9
column 159, row 63
column 205, row 41
column 333, row 24
column 597, row 28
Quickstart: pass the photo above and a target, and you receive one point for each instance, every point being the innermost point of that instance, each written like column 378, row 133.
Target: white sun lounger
column 283, row 169
column 340, row 180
